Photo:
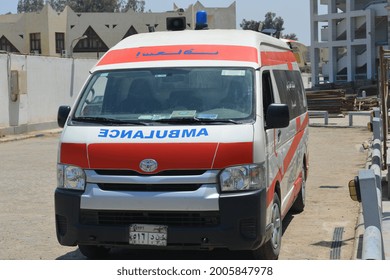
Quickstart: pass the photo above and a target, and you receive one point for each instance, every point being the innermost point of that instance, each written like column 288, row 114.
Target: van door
column 289, row 87
column 273, row 136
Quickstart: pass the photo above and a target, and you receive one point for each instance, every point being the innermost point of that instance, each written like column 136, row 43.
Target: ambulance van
column 191, row 140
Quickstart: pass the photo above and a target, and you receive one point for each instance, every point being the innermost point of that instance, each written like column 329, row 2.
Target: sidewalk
column 40, row 133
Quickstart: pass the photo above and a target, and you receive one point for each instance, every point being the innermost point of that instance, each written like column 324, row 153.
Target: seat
column 184, row 100
column 140, row 98
column 236, row 98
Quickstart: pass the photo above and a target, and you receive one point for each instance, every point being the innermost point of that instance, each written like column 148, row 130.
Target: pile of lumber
column 338, row 98
column 331, row 100
column 366, row 103
column 338, row 101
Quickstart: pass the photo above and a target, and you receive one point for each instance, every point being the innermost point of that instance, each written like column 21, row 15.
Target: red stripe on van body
column 181, row 52
column 297, row 139
column 300, row 128
column 233, row 154
column 296, row 189
column 170, row 156
column 74, row 154
column 277, row 58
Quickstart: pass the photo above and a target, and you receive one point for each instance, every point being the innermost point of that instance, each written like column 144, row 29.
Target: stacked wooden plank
column 338, row 101
column 367, row 103
column 331, row 100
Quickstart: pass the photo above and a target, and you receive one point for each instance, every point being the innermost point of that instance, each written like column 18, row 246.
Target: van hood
column 172, row 148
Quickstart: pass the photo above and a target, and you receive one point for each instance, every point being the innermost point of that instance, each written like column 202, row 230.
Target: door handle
column 279, row 135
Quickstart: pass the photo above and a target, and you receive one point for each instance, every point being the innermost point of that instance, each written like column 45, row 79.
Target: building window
column 92, row 43
column 130, row 32
column 60, row 42
column 35, row 43
column 7, row 46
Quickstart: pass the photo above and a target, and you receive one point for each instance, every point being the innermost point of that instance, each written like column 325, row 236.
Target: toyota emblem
column 148, row 165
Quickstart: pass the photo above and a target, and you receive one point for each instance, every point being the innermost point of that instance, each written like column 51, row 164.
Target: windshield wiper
column 108, row 121
column 196, row 120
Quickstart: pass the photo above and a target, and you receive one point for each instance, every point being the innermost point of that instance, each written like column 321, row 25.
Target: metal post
column 377, row 112
column 376, row 127
column 74, row 40
column 384, row 92
column 326, row 118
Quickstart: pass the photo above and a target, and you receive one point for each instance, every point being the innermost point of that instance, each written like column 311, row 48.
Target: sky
column 296, row 13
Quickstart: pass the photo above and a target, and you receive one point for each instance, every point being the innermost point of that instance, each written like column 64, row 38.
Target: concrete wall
column 43, row 84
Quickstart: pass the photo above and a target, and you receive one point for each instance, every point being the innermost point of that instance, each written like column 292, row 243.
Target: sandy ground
column 336, row 156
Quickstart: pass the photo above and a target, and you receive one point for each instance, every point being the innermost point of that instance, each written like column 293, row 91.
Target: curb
column 35, row 134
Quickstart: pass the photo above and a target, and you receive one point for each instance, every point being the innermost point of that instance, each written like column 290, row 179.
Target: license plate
column 154, row 235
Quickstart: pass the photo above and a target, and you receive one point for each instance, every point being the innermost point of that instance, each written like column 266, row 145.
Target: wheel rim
column 277, row 223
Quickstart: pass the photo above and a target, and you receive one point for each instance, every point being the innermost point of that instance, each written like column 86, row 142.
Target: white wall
column 45, row 83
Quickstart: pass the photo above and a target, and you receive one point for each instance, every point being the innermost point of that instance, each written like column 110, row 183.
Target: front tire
column 271, row 249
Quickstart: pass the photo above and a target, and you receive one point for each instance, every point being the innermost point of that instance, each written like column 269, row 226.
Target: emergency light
column 201, row 20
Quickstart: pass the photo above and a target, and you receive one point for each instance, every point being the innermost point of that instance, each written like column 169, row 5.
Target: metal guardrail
column 351, row 114
column 357, row 113
column 368, row 187
column 323, row 114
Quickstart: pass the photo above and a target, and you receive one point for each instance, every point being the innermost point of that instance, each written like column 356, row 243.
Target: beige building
column 74, row 34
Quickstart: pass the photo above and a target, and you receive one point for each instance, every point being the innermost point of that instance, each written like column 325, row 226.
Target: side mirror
column 278, row 116
column 62, row 116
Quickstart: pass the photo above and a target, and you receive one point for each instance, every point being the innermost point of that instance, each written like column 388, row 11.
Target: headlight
column 243, row 178
column 70, row 177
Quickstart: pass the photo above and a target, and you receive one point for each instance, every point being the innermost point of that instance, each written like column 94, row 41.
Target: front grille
column 112, row 172
column 149, row 188
column 180, row 219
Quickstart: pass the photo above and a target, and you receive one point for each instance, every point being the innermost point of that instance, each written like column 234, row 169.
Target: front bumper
column 239, row 224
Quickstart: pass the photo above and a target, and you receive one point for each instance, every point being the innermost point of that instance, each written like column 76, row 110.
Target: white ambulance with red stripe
column 193, row 139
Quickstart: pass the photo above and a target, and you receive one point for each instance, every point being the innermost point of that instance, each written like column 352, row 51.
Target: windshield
column 168, row 94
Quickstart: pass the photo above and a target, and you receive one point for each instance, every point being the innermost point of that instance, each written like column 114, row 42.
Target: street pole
column 74, row 40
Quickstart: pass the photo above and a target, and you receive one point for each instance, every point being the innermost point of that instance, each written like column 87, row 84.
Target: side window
column 268, row 94
column 291, row 91
column 93, row 101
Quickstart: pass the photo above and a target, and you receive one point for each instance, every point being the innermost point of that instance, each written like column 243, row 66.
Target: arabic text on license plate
column 154, row 235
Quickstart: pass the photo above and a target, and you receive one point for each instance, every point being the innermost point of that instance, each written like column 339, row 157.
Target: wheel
column 299, row 204
column 271, row 249
column 94, row 252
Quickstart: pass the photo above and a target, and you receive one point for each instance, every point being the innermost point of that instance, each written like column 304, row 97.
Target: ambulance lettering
column 153, row 134
column 180, row 52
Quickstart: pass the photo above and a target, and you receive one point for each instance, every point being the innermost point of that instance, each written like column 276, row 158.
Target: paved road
column 28, row 178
